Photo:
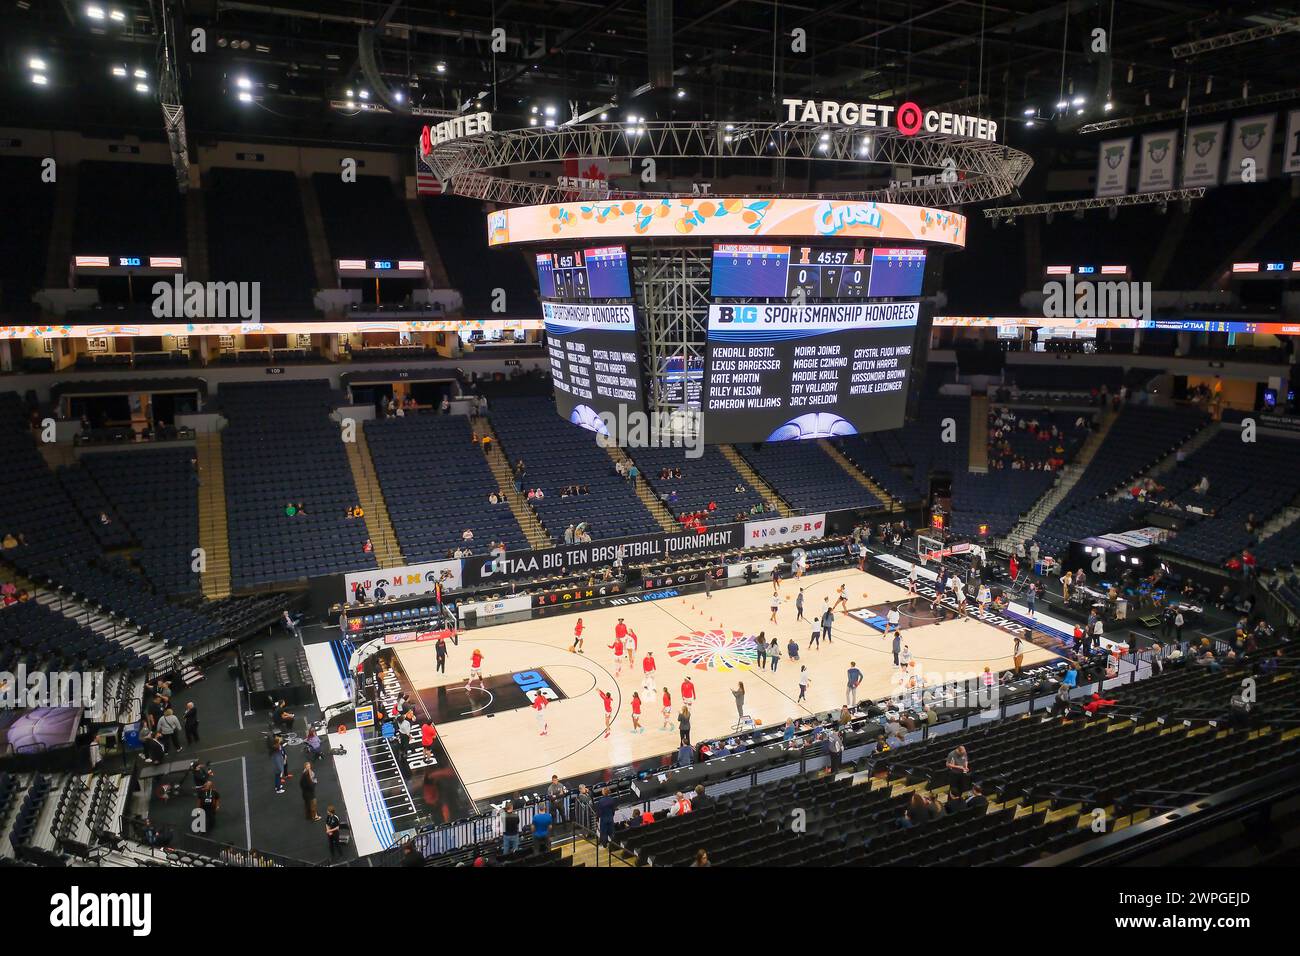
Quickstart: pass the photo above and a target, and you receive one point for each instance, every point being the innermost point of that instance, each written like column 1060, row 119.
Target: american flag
column 426, row 182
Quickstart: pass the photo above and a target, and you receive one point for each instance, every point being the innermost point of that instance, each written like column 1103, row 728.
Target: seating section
column 806, row 477
column 281, row 446
column 459, row 227
column 1234, row 469
column 436, row 484
column 156, row 492
column 709, row 478
column 257, row 233
column 25, row 239
column 996, row 500
column 1139, row 438
column 555, row 454
column 366, row 219
column 1040, row 779
column 33, row 633
column 133, row 207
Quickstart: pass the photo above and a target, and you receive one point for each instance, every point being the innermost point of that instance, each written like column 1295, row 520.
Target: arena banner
column 1291, row 146
column 1156, row 162
column 1112, row 166
column 505, row 605
column 597, row 555
column 1202, row 154
column 703, row 217
column 784, row 530
column 1252, row 142
column 406, row 581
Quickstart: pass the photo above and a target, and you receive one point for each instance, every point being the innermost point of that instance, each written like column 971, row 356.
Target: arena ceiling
column 297, row 62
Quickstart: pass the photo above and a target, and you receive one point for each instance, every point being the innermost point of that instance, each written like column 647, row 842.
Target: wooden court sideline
column 502, row 753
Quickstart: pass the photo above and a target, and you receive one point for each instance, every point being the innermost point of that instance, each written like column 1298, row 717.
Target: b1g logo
column 533, row 683
column 737, row 313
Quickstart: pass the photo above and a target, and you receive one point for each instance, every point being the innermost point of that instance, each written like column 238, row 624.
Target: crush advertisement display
column 595, row 365
column 785, row 372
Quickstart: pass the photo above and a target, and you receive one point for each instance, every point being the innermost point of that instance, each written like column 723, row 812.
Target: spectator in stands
column 290, row 510
column 958, row 765
column 368, row 547
column 605, row 808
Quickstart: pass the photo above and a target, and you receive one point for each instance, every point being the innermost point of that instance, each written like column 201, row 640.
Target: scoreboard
column 584, row 274
column 778, row 272
column 778, row 372
column 595, row 363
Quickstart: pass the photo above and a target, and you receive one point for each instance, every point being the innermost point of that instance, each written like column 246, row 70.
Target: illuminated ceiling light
column 245, row 97
column 550, row 111
column 349, row 94
column 1077, row 101
column 398, row 96
column 365, row 94
column 1209, row 85
column 37, row 64
column 140, row 74
column 604, row 116
column 117, row 16
column 1031, row 110
column 729, row 127
column 549, row 121
column 351, row 104
column 681, row 94
column 119, row 71
column 532, row 121
column 244, row 83
column 1109, row 106
column 1062, row 105
column 1029, row 122
column 1078, row 112
column 94, row 12
column 726, row 139
column 142, row 87
column 441, row 67
column 825, row 137
column 40, row 79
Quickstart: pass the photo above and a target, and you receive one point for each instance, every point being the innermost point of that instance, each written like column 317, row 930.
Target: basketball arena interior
column 579, row 434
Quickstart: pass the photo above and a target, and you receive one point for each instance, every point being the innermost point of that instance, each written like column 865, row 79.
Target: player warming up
column 539, row 711
column 608, row 701
column 668, row 710
column 475, row 670
column 577, row 638
column 617, row 648
column 648, row 670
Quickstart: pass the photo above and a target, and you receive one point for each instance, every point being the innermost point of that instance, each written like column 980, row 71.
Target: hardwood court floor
column 502, row 753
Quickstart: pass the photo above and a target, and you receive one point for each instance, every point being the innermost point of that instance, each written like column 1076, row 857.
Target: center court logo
column 715, row 650
column 78, row 910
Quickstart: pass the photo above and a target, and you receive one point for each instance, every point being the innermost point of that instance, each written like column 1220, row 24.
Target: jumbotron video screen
column 595, row 363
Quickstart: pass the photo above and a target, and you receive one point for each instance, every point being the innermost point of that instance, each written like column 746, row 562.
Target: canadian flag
column 579, row 167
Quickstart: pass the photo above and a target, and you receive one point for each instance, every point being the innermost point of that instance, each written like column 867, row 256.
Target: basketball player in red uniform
column 617, row 648
column 577, row 638
column 688, row 693
column 476, row 669
column 636, row 714
column 668, row 710
column 608, row 700
column 539, row 710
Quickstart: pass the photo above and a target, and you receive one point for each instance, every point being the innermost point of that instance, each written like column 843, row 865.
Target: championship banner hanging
column 1156, row 162
column 1291, row 148
column 1112, row 167
column 1252, row 141
column 1202, row 155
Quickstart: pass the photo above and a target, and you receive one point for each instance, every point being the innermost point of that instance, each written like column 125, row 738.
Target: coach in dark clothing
column 605, row 807
column 684, row 725
column 191, row 720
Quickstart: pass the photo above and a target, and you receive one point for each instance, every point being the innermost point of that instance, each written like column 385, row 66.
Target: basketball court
column 491, row 734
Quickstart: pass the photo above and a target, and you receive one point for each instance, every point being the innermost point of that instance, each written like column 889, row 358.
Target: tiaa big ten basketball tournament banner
column 1112, row 167
column 1252, row 141
column 1156, row 162
column 407, row 581
column 1202, row 155
column 784, row 530
column 1291, row 148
